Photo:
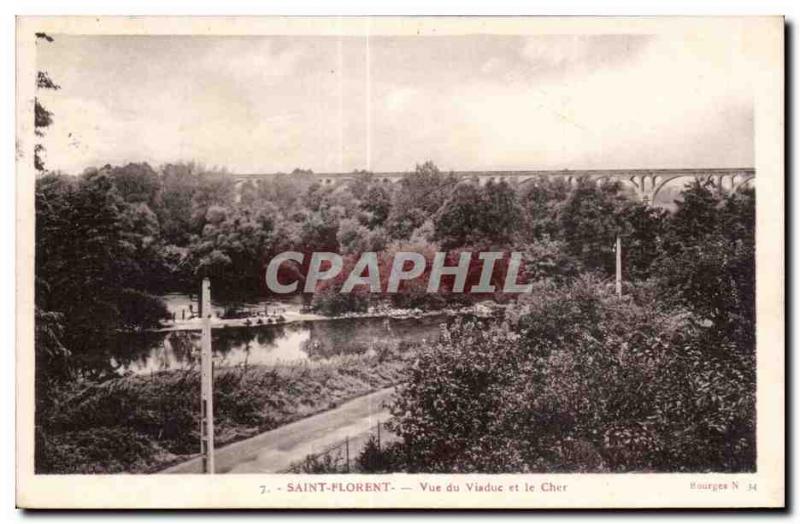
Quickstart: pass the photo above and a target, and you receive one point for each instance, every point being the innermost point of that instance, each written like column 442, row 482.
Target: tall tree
column 708, row 261
column 42, row 117
column 589, row 222
column 89, row 246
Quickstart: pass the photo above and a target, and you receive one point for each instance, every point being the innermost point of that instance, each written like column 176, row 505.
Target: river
column 146, row 353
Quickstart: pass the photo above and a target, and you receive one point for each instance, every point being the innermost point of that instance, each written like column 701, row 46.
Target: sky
column 335, row 104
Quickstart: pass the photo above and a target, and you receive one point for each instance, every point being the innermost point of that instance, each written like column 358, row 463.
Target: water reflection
column 268, row 345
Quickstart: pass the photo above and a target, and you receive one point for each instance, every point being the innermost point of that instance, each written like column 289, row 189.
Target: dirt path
column 278, row 449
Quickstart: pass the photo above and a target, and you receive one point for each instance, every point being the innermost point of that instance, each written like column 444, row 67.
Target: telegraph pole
column 206, row 382
column 619, row 266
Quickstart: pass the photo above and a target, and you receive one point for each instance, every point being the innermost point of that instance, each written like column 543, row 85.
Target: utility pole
column 619, row 266
column 206, row 382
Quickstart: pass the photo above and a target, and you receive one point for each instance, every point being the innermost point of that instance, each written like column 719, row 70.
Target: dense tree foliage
column 94, row 252
column 475, row 215
column 154, row 230
column 577, row 379
column 708, row 265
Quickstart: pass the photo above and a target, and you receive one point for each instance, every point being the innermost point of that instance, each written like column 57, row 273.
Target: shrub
column 374, row 459
column 331, row 462
column 138, row 309
column 141, row 423
column 333, row 303
column 580, row 381
column 107, row 450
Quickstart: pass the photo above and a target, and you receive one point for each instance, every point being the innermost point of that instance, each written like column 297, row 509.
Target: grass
column 142, row 424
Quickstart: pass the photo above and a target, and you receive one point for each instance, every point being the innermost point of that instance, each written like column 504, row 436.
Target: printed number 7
column 263, row 489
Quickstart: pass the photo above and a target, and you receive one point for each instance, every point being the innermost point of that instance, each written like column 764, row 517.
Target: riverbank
column 289, row 317
column 144, row 424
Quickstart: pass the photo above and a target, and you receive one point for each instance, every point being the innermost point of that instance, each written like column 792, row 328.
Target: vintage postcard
column 400, row 262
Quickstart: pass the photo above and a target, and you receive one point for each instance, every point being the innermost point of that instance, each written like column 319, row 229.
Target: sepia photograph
column 460, row 259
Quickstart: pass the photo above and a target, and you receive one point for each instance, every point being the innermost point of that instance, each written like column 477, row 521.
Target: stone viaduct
column 646, row 183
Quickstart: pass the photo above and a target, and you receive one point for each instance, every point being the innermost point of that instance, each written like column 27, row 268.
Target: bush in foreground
column 580, row 381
